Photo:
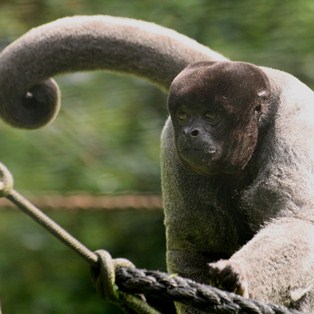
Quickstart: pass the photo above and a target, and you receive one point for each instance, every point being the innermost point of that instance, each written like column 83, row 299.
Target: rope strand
column 55, row 229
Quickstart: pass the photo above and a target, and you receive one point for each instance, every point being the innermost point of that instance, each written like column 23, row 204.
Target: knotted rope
column 120, row 282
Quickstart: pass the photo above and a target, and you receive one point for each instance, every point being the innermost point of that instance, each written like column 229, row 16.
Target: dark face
column 216, row 110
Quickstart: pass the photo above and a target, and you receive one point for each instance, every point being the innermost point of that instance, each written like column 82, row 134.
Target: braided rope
column 120, row 282
column 186, row 291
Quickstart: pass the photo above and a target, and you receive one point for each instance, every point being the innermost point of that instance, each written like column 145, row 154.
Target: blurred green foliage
column 40, row 275
column 106, row 140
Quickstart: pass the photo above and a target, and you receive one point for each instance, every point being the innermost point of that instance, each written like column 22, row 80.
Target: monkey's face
column 215, row 110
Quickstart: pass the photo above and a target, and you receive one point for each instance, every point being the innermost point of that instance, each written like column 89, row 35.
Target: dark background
column 106, row 141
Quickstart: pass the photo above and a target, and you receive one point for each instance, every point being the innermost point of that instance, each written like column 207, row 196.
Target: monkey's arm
column 29, row 100
column 277, row 265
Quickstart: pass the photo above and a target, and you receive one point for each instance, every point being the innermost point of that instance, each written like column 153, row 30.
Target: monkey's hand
column 228, row 275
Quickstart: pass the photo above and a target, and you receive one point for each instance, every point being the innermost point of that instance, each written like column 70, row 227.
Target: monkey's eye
column 211, row 116
column 182, row 116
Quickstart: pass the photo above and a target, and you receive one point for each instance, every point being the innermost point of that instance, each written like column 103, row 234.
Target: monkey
column 237, row 155
column 237, row 175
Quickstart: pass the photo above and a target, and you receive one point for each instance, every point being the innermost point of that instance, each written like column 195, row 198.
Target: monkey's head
column 216, row 109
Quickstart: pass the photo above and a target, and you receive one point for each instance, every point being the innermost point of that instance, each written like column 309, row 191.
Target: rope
column 186, row 291
column 100, row 260
column 83, row 202
column 120, row 282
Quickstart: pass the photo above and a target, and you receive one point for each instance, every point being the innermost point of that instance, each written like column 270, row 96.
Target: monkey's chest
column 203, row 216
column 210, row 228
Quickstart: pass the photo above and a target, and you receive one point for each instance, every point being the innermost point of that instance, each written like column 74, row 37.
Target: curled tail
column 29, row 98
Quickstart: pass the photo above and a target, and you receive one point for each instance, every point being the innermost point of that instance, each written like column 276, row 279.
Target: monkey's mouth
column 201, row 152
column 199, row 159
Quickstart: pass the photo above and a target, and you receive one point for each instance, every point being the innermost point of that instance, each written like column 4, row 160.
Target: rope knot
column 6, row 181
column 103, row 274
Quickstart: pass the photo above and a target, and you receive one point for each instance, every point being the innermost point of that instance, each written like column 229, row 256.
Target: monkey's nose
column 195, row 132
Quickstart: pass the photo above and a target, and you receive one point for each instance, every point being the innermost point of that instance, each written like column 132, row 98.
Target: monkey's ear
column 263, row 106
